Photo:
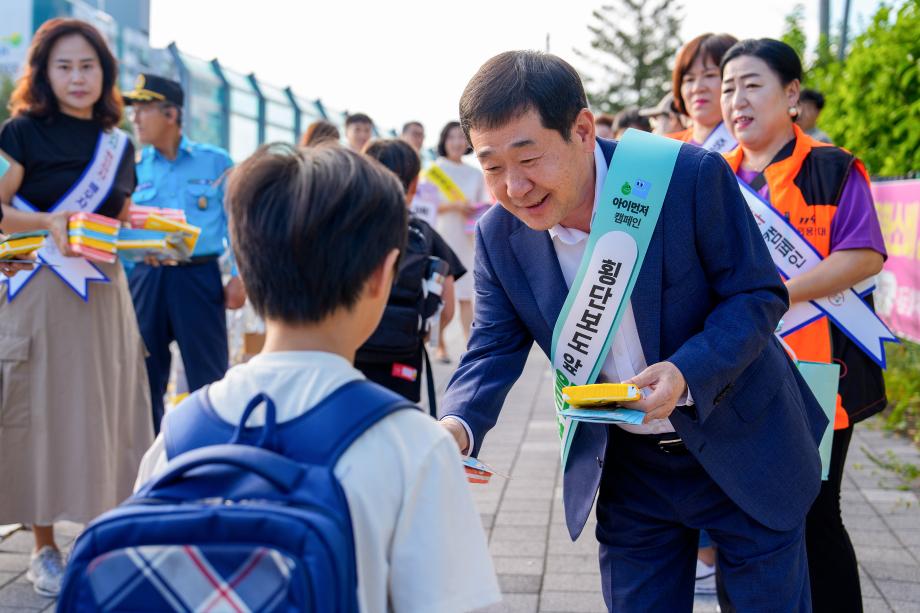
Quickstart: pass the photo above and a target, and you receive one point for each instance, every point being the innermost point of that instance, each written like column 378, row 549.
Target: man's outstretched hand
column 457, row 430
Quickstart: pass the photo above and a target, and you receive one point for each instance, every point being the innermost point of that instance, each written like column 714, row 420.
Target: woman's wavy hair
column 33, row 95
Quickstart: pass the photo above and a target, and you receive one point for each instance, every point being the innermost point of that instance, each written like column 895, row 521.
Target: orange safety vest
column 805, row 187
column 682, row 135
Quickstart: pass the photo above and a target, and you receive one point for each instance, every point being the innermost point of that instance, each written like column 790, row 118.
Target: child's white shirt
column 419, row 541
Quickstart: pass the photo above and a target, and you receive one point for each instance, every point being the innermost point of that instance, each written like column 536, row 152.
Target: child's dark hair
column 358, row 118
column 631, row 118
column 813, row 96
column 398, row 156
column 318, row 132
column 310, row 226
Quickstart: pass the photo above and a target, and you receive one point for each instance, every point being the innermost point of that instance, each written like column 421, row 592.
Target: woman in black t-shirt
column 74, row 399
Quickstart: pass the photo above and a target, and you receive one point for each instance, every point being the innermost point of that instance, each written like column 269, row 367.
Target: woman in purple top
column 823, row 192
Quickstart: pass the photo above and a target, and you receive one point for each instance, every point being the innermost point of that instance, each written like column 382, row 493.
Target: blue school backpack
column 242, row 519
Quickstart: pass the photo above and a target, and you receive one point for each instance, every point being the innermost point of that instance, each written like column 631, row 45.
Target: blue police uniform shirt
column 193, row 182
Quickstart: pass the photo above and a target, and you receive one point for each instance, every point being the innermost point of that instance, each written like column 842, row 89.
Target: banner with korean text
column 897, row 298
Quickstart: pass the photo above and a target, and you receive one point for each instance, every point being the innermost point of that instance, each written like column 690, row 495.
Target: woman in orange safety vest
column 823, row 192
column 696, row 86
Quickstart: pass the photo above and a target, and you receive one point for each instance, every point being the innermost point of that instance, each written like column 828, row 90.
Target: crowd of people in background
column 86, row 378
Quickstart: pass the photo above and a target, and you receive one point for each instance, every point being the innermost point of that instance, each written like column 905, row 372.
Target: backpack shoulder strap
column 330, row 427
column 194, row 424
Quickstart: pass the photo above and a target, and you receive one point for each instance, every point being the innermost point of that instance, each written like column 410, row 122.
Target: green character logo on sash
column 641, row 188
column 626, row 189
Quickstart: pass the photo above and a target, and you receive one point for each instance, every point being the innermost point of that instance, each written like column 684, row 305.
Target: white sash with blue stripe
column 720, row 140
column 793, row 254
column 85, row 196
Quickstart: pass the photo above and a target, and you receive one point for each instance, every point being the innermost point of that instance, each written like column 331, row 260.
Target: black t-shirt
column 405, row 376
column 54, row 152
column 440, row 249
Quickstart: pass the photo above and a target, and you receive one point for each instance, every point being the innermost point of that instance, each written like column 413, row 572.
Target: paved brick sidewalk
column 540, row 569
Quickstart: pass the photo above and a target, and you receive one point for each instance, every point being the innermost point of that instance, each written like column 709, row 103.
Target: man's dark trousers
column 651, row 507
column 185, row 304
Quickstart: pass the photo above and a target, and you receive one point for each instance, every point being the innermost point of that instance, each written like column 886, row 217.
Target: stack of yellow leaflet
column 181, row 237
column 600, row 395
column 94, row 236
column 161, row 233
column 136, row 244
column 21, row 244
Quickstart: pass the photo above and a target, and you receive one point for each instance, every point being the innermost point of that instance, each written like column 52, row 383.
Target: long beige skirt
column 74, row 399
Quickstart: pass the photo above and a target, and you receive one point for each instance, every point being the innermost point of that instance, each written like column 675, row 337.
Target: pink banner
column 897, row 298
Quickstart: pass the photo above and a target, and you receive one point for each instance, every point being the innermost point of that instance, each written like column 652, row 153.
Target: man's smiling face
column 533, row 172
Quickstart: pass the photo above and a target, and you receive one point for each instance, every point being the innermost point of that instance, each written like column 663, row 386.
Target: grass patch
column 902, row 383
column 907, row 472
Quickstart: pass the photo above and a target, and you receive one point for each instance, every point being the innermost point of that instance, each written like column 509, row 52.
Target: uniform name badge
column 793, row 255
column 85, row 196
column 624, row 220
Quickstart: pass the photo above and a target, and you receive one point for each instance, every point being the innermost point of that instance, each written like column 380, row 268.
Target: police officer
column 183, row 302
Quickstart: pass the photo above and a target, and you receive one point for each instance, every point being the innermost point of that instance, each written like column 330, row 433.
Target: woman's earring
column 793, row 111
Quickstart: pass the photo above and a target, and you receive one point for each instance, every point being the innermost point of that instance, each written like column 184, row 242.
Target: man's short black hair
column 410, row 124
column 310, row 226
column 358, row 118
column 512, row 83
column 630, row 118
column 813, row 96
column 398, row 156
column 604, row 119
column 165, row 106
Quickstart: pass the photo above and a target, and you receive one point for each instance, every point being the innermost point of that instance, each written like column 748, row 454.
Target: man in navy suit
column 729, row 441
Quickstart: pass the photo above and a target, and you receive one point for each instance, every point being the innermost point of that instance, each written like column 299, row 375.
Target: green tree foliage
column 633, row 45
column 793, row 32
column 6, row 90
column 873, row 96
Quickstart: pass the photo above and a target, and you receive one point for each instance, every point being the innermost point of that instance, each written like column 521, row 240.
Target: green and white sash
column 621, row 230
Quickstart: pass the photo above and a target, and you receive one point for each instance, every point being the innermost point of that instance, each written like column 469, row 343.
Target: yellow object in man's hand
column 600, row 394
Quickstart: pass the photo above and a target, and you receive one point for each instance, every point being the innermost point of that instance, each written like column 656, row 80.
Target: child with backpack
column 317, row 235
column 422, row 300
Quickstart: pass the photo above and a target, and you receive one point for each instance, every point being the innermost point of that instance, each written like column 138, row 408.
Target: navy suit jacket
column 707, row 299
